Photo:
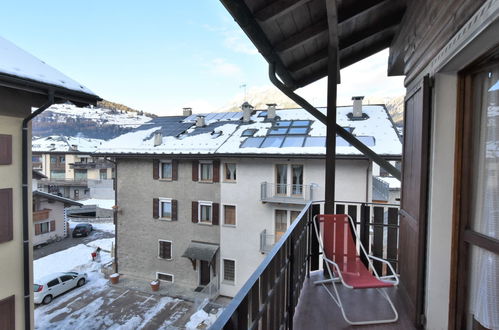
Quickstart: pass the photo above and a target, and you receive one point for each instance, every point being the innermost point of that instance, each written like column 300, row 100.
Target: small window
column 285, row 123
column 53, row 283
column 277, row 131
column 249, row 132
column 205, row 215
column 272, row 142
column 166, row 170
column 53, row 159
column 229, row 215
column 229, row 270
column 315, row 141
column 165, row 209
column 206, row 171
column 298, row 130
column 293, row 141
column 103, row 174
column 252, row 142
column 45, row 227
column 301, row 123
column 230, row 172
column 62, row 159
column 36, row 159
column 164, row 277
column 165, row 250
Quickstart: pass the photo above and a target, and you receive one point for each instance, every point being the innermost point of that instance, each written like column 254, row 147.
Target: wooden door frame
column 462, row 236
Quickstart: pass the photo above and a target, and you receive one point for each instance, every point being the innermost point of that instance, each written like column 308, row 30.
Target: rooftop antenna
column 244, row 86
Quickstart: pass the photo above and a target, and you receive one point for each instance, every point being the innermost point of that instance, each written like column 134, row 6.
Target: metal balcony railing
column 287, row 193
column 269, row 298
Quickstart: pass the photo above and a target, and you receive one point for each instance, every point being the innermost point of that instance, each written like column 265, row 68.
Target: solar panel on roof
column 293, row 141
column 277, row 131
column 285, row 123
column 315, row 141
column 298, row 130
column 367, row 140
column 298, row 123
column 252, row 142
column 340, row 142
column 272, row 142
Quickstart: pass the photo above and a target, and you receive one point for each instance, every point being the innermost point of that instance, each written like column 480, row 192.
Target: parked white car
column 50, row 286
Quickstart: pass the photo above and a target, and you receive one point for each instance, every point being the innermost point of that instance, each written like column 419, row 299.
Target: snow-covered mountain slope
column 89, row 122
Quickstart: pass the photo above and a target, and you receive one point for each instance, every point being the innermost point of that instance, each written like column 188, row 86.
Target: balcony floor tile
column 316, row 310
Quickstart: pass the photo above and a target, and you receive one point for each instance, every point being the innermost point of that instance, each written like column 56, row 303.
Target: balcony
column 267, row 241
column 41, row 214
column 64, row 182
column 99, row 164
column 287, row 193
column 281, row 293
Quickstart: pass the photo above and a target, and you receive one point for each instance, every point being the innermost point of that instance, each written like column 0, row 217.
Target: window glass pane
column 272, row 142
column 80, row 174
column 229, row 270
column 277, row 131
column 281, row 178
column 293, row 141
column 53, row 159
column 230, row 171
column 229, row 214
column 298, row 123
column 315, row 141
column 53, row 283
column 294, row 215
column 66, row 278
column 297, row 174
column 205, row 213
column 252, row 142
column 248, row 132
column 166, row 170
column 285, row 123
column 298, row 130
column 165, row 250
column 45, row 227
column 165, row 277
column 166, row 209
column 206, row 171
column 103, row 174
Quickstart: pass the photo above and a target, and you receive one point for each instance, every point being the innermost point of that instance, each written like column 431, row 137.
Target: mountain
column 105, row 121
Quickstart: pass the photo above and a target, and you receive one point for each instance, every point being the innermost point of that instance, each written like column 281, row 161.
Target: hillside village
column 269, row 211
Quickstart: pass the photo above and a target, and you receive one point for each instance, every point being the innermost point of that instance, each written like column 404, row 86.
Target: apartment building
column 25, row 82
column 70, row 169
column 202, row 198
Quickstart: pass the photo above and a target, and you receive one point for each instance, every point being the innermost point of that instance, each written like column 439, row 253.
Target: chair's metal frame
column 393, row 279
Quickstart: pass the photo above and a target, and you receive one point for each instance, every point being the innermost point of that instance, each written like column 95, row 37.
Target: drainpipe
column 339, row 130
column 25, row 210
column 115, row 212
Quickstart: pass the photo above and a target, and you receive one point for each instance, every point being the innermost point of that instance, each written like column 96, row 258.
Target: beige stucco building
column 25, row 83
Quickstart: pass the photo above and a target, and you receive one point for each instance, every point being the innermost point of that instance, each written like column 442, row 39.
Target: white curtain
column 485, row 265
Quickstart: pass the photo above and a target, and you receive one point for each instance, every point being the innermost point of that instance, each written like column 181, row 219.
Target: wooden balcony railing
column 41, row 214
column 269, row 298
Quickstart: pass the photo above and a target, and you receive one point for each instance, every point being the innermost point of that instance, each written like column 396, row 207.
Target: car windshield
column 80, row 226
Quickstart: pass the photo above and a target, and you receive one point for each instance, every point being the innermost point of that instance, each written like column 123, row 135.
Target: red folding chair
column 340, row 251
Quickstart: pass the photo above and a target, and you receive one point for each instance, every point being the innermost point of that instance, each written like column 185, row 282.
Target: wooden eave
column 294, row 34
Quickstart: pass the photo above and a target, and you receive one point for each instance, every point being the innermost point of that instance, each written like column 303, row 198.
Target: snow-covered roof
column 294, row 132
column 56, row 198
column 19, row 63
column 101, row 203
column 393, row 183
column 66, row 144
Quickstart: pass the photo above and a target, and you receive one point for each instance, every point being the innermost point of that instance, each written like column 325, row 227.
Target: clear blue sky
column 156, row 56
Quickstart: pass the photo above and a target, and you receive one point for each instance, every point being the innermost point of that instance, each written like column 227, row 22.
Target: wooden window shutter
column 168, row 250
column 52, row 225
column 216, row 171
column 155, row 169
column 5, row 149
column 155, row 208
column 216, row 214
column 195, row 211
column 174, row 210
column 195, row 170
column 174, row 169
column 38, row 229
column 6, row 217
column 7, row 313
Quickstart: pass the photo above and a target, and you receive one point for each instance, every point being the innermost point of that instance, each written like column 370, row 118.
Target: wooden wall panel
column 6, row 216
column 5, row 149
column 7, row 313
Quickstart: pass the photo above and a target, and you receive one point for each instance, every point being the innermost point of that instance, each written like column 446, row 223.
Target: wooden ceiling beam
column 303, row 36
column 278, row 8
column 389, row 25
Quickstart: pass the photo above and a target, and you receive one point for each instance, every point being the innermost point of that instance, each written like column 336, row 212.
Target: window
column 53, row 283
column 58, row 174
column 62, row 159
column 230, row 172
column 164, row 277
column 229, row 270
column 53, row 159
column 165, row 250
column 205, row 212
column 294, row 215
column 281, row 179
column 206, row 171
column 80, row 174
column 229, row 215
column 45, row 227
column 281, row 223
column 165, row 209
column 249, row 132
column 103, row 174
column 66, row 278
column 297, row 177
column 166, row 170
column 36, row 159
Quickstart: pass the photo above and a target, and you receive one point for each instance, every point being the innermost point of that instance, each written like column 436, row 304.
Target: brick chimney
column 357, row 106
column 187, row 112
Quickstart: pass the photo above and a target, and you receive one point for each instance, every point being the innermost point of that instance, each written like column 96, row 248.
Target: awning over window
column 201, row 251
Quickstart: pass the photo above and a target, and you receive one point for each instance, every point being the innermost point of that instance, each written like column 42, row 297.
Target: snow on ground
column 105, row 244
column 202, row 318
column 65, row 143
column 102, row 203
column 103, row 226
column 77, row 258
